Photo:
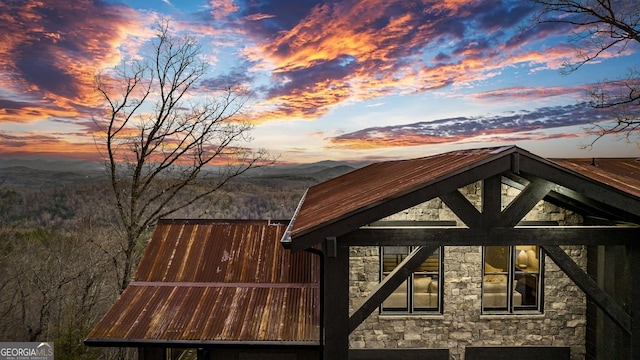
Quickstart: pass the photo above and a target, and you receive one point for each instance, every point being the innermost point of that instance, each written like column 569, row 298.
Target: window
column 512, row 280
column 181, row 354
column 422, row 290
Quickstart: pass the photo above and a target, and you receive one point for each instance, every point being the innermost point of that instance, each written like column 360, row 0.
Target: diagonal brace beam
column 390, row 284
column 524, row 202
column 463, row 209
column 604, row 301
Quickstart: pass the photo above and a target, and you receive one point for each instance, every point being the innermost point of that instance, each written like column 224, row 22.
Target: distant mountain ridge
column 317, row 168
column 45, row 172
column 52, row 164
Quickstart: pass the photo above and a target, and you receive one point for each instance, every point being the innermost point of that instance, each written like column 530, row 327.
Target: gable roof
column 620, row 173
column 216, row 282
column 362, row 196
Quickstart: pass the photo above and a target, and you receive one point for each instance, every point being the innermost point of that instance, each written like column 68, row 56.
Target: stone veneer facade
column 562, row 323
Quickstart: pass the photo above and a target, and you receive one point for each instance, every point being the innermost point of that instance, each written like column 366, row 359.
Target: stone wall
column 462, row 323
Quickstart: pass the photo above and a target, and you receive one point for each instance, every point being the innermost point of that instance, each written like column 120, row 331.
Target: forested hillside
column 59, row 248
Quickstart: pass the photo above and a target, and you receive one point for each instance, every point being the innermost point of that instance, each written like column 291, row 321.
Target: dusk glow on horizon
column 350, row 80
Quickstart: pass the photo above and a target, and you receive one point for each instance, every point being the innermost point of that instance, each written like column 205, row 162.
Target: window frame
column 410, row 283
column 512, row 273
column 172, row 353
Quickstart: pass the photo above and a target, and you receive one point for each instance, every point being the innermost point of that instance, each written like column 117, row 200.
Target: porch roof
column 216, row 282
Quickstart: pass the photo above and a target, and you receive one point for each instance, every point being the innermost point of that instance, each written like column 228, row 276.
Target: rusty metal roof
column 620, row 173
column 216, row 282
column 376, row 183
column 340, row 199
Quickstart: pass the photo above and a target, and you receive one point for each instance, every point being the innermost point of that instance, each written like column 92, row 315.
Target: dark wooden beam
column 572, row 200
column 581, row 184
column 515, row 163
column 392, row 206
column 399, row 354
column 604, row 301
column 524, row 202
column 491, row 200
column 522, row 352
column 389, row 284
column 586, row 205
column 413, row 223
column 633, row 252
column 463, row 209
column 336, row 305
column 457, row 236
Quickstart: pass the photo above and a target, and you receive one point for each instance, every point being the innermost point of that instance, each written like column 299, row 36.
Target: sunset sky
column 330, row 80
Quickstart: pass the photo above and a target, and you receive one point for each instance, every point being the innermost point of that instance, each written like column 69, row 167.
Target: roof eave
column 101, row 342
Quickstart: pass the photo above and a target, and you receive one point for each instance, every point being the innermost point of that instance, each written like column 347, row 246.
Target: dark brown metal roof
column 340, row 199
column 620, row 173
column 373, row 184
column 216, row 282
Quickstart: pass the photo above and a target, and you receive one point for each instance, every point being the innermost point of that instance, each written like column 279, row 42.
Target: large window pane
column 398, row 300
column 527, row 275
column 511, row 279
column 421, row 292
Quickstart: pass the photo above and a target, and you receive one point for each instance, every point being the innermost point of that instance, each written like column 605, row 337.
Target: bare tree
column 160, row 138
column 602, row 27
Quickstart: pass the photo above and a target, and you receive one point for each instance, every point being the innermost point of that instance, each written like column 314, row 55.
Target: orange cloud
column 29, row 144
column 55, row 61
column 222, row 8
column 379, row 50
column 390, row 141
column 532, row 93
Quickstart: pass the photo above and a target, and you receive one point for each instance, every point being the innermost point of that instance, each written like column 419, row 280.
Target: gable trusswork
column 495, row 225
column 343, row 204
column 348, row 202
column 346, row 209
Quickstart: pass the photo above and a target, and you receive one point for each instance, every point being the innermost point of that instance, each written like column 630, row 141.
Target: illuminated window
column 512, row 280
column 422, row 290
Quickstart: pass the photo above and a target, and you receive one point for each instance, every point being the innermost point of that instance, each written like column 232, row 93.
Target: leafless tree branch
column 602, row 27
column 161, row 140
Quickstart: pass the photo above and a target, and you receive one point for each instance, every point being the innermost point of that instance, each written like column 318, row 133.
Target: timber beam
column 604, row 301
column 458, row 236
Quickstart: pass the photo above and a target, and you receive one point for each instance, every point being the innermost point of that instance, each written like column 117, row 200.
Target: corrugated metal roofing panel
column 620, row 173
column 378, row 182
column 217, row 281
column 184, row 313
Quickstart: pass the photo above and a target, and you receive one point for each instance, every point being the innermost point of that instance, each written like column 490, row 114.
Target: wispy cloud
column 532, row 93
column 512, row 126
column 27, row 144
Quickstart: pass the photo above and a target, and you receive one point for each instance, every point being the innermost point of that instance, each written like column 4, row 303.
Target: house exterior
column 491, row 253
column 470, row 306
